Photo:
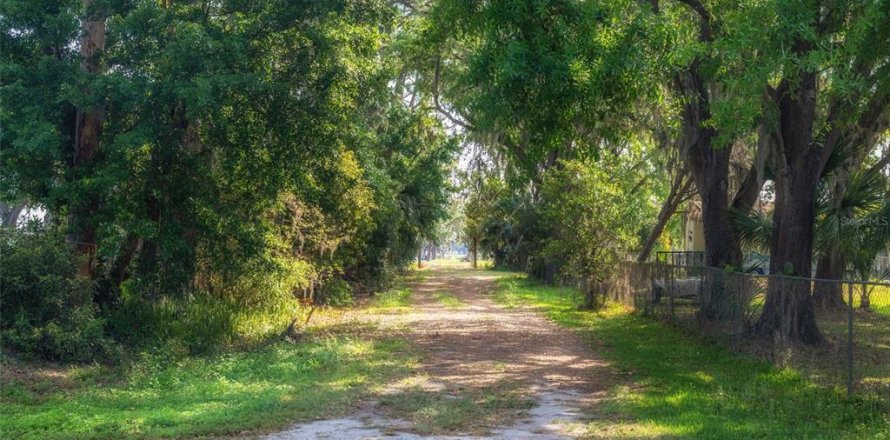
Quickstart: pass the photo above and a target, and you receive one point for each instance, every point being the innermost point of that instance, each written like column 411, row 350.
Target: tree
column 705, row 92
column 815, row 114
column 248, row 152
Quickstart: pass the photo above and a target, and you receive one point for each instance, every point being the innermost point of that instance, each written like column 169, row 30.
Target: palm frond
column 754, row 229
column 841, row 219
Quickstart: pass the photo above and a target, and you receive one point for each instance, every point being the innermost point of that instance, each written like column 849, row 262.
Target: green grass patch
column 450, row 301
column 227, row 394
column 680, row 386
column 395, row 298
column 879, row 299
column 398, row 297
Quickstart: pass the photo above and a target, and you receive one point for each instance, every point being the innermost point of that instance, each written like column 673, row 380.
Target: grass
column 679, row 386
column 879, row 297
column 238, row 393
column 449, row 300
column 395, row 298
column 229, row 394
column 473, row 410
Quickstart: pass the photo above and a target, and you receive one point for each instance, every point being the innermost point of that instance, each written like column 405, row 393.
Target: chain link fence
column 853, row 317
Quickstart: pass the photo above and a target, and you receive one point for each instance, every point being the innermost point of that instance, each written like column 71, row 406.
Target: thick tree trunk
column 722, row 247
column 86, row 142
column 828, row 295
column 710, row 169
column 149, row 254
column 788, row 313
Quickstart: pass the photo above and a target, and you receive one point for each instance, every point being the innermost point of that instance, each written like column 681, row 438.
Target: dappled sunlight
column 466, row 333
column 482, row 365
column 680, row 386
column 458, row 359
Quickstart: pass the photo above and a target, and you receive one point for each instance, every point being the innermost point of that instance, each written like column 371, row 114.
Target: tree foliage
column 248, row 153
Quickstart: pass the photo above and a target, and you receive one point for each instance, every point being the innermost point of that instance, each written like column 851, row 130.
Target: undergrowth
column 225, row 394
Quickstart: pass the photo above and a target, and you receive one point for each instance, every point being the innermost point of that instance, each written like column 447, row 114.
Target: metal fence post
column 671, row 292
column 850, row 340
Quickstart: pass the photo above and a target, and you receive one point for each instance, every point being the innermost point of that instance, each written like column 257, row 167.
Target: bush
column 241, row 312
column 46, row 309
column 337, row 293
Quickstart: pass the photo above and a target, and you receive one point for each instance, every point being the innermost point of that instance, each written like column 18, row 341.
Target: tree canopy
column 266, row 155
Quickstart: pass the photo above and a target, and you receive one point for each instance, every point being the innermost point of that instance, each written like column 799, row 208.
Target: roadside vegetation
column 676, row 385
column 198, row 204
column 235, row 393
column 192, row 192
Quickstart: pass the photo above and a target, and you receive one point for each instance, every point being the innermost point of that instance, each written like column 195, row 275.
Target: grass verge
column 392, row 299
column 473, row 410
column 680, row 386
column 449, row 300
column 229, row 394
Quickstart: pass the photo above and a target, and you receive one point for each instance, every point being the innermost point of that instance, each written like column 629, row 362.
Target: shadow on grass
column 680, row 386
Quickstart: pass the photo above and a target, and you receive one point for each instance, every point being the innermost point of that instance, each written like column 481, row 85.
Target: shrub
column 243, row 311
column 337, row 293
column 46, row 309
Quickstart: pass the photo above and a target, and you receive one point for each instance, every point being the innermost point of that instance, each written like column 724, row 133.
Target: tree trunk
column 475, row 251
column 86, row 142
column 829, row 295
column 711, row 172
column 865, row 299
column 788, row 313
column 108, row 291
column 420, row 257
column 710, row 169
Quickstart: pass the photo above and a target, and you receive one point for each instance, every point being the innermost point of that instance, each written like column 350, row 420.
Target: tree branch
column 456, row 121
column 705, row 33
column 749, row 191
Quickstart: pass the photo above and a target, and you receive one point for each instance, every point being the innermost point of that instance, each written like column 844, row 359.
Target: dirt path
column 503, row 372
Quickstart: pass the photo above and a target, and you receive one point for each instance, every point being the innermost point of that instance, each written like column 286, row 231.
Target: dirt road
column 487, row 371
